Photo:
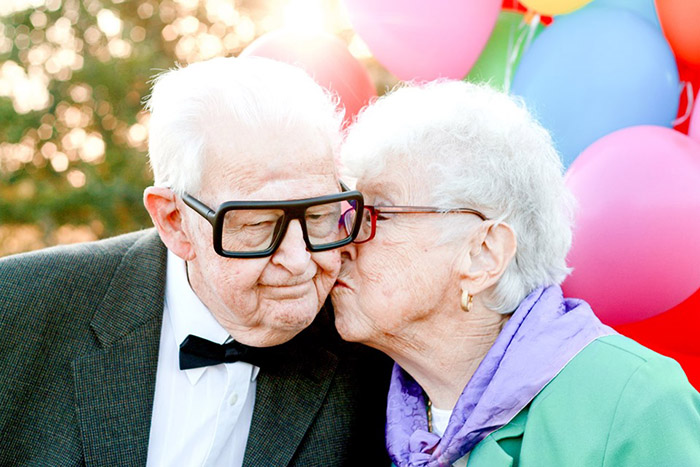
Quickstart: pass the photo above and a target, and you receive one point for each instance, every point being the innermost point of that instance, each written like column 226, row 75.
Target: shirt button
column 233, row 399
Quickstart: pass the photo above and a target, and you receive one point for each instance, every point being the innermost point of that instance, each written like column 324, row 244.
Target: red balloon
column 674, row 333
column 690, row 75
column 517, row 6
column 689, row 363
column 676, row 330
column 326, row 58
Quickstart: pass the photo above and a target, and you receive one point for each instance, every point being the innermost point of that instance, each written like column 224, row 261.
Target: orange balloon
column 326, row 58
column 680, row 20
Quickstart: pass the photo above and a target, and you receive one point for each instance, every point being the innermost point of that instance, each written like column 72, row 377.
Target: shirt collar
column 188, row 315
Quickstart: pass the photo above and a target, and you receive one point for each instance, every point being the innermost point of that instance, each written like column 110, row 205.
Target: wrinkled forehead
column 269, row 175
column 250, row 156
column 397, row 182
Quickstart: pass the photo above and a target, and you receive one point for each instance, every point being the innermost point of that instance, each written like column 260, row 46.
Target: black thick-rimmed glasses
column 255, row 229
column 368, row 222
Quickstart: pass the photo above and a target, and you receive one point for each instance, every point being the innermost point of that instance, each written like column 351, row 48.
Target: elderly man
column 200, row 342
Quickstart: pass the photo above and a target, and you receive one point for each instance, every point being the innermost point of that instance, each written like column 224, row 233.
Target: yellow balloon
column 554, row 7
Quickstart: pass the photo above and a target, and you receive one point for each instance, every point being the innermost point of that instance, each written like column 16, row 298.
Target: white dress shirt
column 201, row 416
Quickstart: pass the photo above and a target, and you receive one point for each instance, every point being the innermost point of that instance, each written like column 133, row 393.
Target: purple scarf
column 540, row 338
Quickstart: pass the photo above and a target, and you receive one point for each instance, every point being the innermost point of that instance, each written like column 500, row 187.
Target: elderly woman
column 455, row 275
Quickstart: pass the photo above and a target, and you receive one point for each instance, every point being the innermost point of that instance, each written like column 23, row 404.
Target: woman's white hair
column 258, row 102
column 482, row 150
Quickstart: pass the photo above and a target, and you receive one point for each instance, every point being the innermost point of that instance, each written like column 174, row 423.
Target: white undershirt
column 201, row 416
column 441, row 418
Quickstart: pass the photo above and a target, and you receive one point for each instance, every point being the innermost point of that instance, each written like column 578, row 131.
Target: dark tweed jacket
column 79, row 334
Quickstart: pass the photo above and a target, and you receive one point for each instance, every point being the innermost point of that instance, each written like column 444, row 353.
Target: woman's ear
column 487, row 256
column 161, row 204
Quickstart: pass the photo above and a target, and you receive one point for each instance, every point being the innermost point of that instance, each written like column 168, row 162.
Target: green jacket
column 79, row 336
column 616, row 403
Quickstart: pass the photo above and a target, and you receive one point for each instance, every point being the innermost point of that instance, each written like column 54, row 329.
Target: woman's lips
column 340, row 283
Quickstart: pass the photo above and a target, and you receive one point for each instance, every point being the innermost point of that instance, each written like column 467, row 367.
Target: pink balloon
column 424, row 40
column 636, row 250
column 694, row 128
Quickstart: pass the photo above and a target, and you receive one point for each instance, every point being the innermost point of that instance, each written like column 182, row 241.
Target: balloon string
column 689, row 105
column 534, row 22
column 530, row 22
column 510, row 62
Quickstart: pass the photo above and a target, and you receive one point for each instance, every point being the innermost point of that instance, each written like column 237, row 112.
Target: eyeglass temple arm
column 200, row 207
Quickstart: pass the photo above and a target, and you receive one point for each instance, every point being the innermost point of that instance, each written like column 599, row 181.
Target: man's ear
column 486, row 257
column 161, row 204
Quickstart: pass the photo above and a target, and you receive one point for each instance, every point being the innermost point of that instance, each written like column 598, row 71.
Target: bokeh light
column 73, row 78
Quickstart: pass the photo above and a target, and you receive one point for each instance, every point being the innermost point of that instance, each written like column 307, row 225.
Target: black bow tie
column 196, row 352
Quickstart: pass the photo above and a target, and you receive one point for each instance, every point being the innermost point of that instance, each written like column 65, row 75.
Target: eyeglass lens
column 252, row 230
column 365, row 224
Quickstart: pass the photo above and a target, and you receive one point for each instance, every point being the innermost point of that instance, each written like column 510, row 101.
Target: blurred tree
column 73, row 77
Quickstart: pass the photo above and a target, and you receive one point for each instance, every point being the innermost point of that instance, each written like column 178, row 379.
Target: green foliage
column 73, row 78
column 49, row 174
column 103, row 191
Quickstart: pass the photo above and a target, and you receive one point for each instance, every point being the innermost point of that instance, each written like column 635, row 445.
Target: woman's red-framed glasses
column 368, row 223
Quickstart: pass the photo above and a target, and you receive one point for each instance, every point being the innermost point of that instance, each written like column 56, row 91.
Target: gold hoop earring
column 466, row 302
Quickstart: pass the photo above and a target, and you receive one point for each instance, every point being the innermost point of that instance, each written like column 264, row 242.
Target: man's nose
column 292, row 253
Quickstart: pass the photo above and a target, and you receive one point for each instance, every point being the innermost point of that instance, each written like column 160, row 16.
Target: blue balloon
column 644, row 8
column 595, row 71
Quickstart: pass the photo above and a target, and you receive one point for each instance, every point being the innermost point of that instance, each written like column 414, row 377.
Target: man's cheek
column 329, row 263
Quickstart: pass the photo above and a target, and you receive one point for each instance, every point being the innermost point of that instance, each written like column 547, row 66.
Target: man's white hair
column 480, row 149
column 257, row 102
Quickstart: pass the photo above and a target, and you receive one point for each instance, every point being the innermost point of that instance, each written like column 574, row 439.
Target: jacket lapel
column 502, row 447
column 115, row 384
column 288, row 397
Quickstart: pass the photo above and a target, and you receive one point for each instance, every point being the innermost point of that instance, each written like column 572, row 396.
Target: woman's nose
column 348, row 252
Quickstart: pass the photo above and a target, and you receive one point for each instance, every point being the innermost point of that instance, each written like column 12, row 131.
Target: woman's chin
column 349, row 316
column 345, row 326
column 347, row 336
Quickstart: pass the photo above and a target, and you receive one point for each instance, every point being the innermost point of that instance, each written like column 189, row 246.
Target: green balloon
column 498, row 61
